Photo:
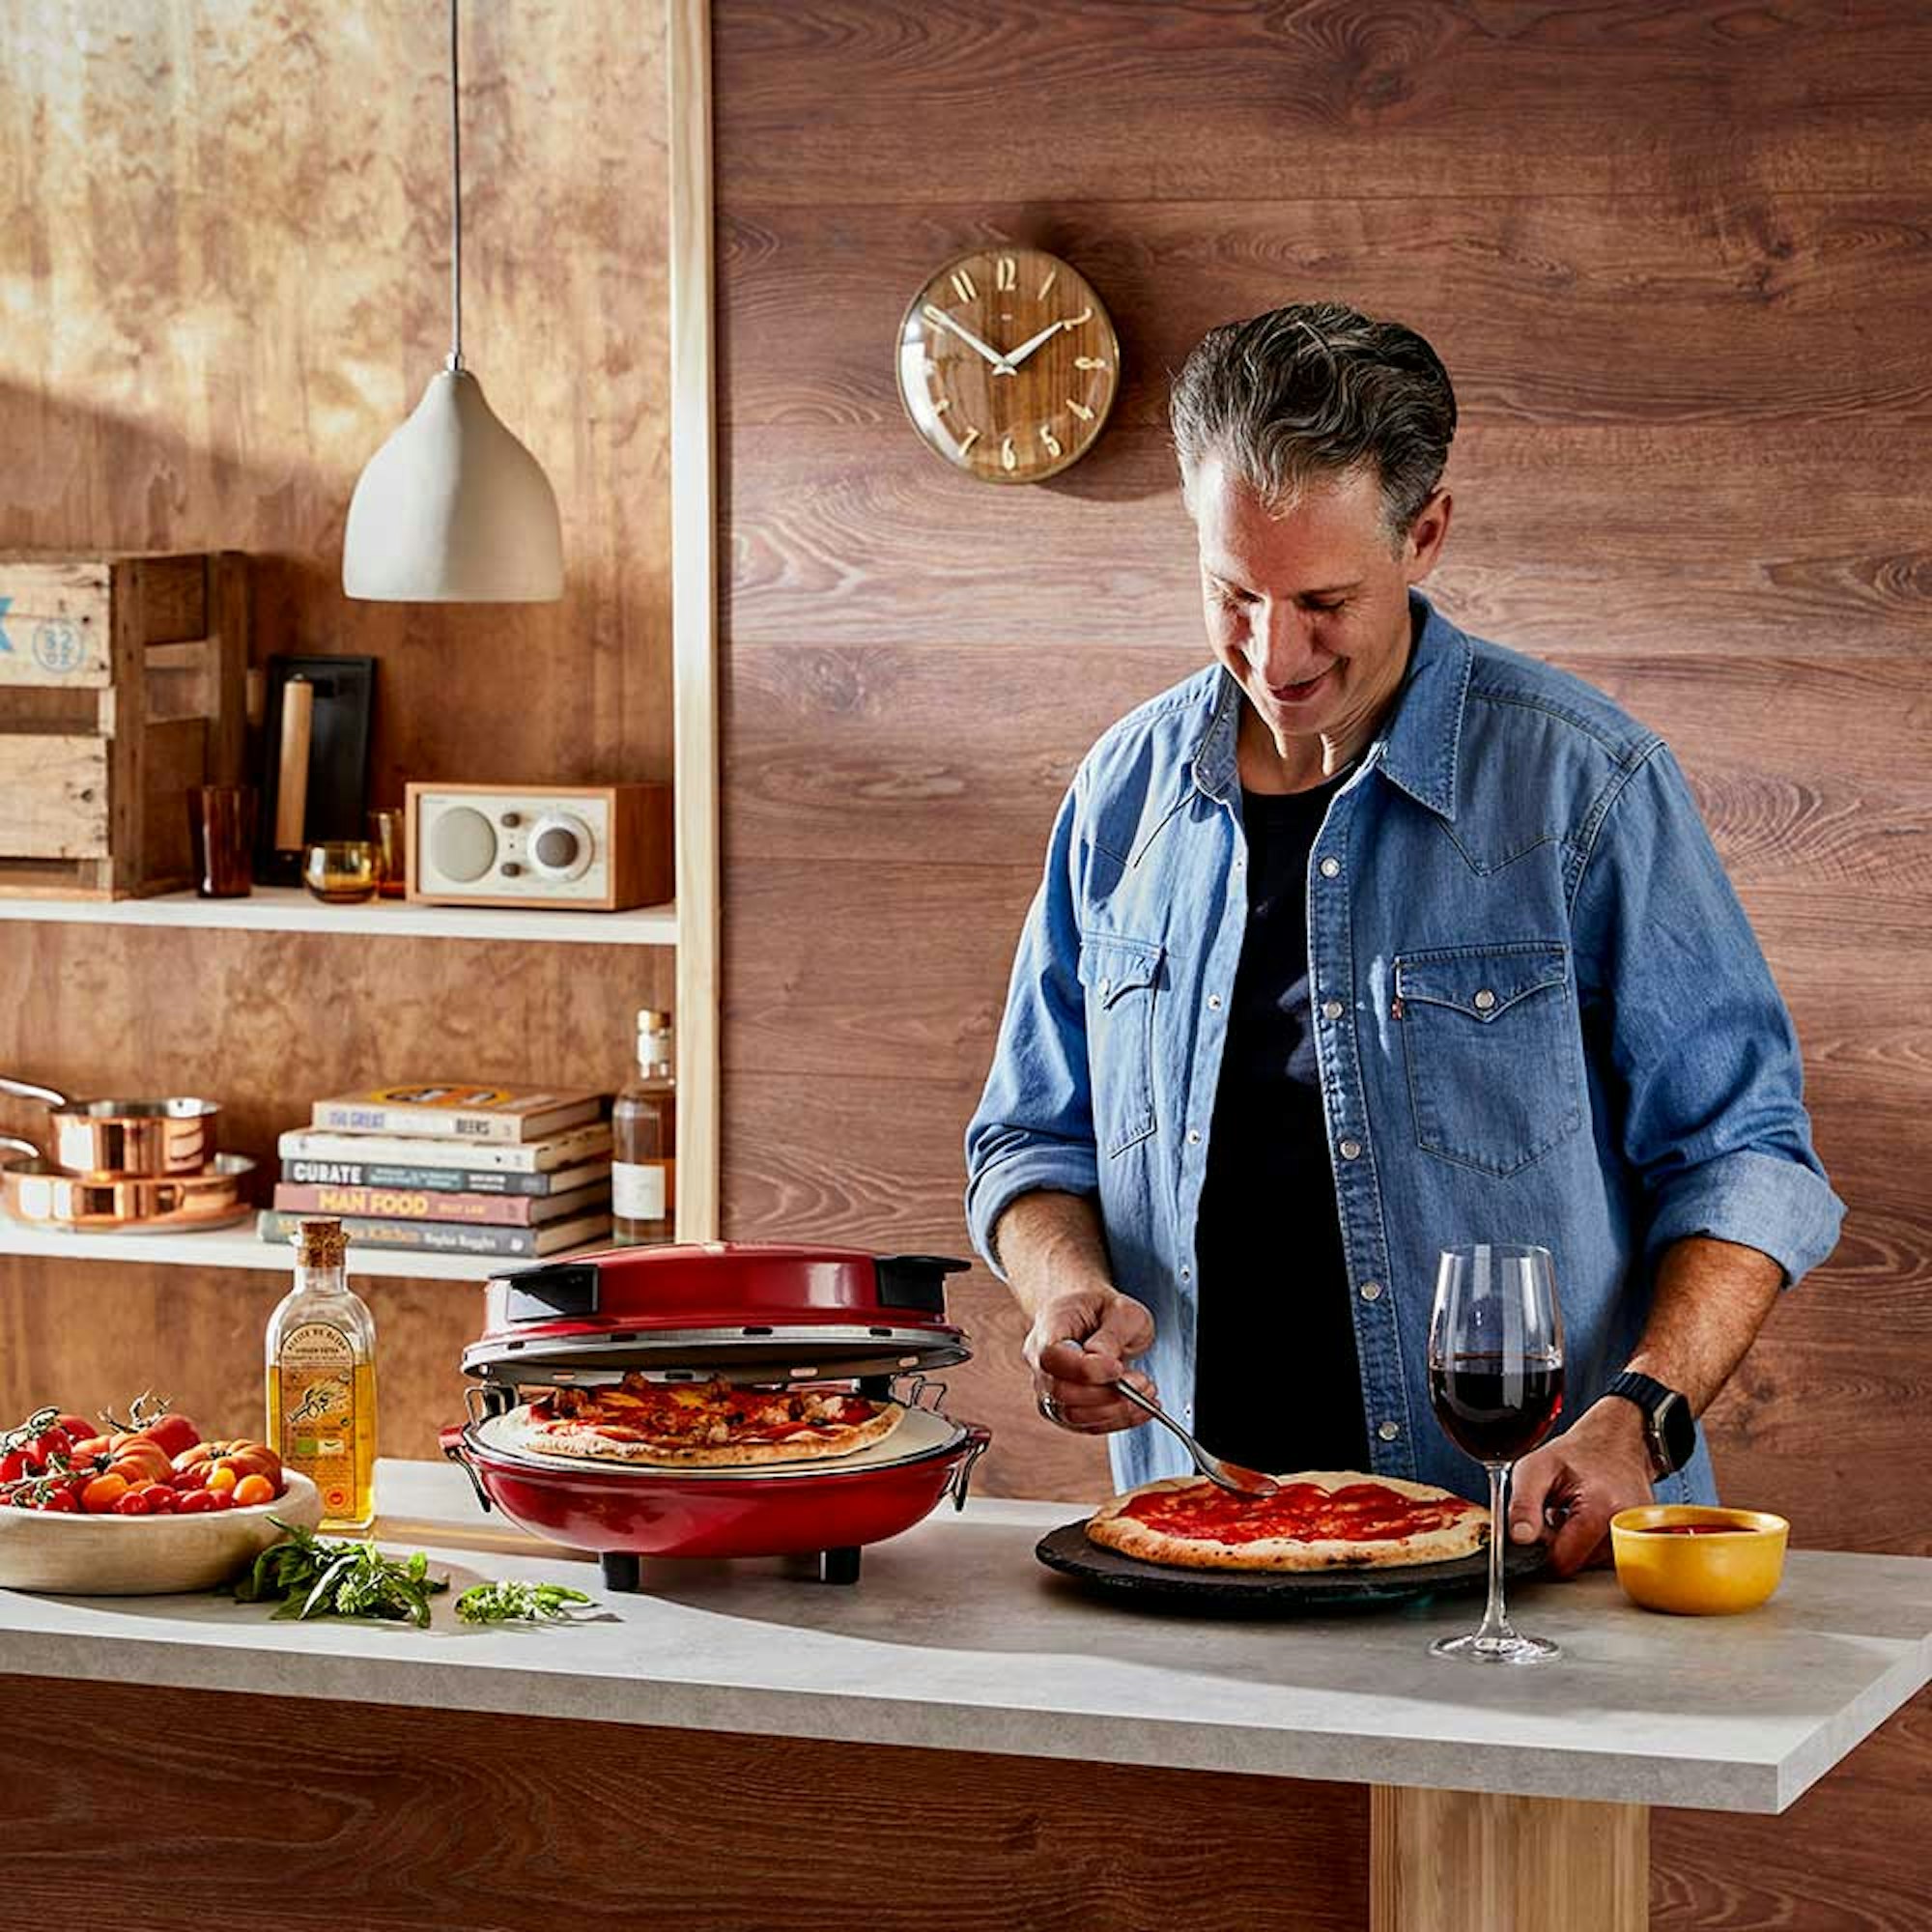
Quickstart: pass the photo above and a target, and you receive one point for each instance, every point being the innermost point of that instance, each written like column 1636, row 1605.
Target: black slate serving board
column 1268, row 1593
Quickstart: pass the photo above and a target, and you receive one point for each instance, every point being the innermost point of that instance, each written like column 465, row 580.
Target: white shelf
column 290, row 909
column 241, row 1247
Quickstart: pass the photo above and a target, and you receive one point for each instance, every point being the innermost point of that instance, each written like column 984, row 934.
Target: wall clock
column 1008, row 365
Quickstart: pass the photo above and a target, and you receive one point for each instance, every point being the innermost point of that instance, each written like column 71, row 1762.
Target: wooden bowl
column 1696, row 1560
column 145, row 1555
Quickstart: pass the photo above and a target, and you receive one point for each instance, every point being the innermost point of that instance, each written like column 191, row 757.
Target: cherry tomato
column 252, row 1489
column 49, row 1443
column 13, row 1465
column 218, row 1499
column 102, row 1493
column 61, row 1501
column 195, row 1478
column 133, row 1503
column 197, row 1502
column 223, row 1476
column 161, row 1501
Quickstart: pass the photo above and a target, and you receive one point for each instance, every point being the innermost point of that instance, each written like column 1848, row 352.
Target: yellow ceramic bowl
column 1706, row 1563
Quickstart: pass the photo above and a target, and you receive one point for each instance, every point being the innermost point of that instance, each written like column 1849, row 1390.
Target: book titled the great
column 427, row 1204
column 447, row 1111
column 473, row 1167
column 448, row 1238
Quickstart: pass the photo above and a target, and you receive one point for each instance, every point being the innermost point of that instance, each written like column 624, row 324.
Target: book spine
column 406, row 1204
column 436, row 1179
column 442, row 1123
column 440, row 1238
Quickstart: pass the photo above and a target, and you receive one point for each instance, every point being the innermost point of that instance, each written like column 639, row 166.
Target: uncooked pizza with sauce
column 709, row 1424
column 1318, row 1520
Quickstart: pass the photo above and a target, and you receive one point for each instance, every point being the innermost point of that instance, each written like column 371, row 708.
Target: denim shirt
column 1541, row 1016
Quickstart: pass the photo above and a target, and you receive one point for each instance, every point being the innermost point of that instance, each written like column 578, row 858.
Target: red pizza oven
column 756, row 1313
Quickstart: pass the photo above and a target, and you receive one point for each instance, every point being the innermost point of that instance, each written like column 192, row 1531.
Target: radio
column 601, row 848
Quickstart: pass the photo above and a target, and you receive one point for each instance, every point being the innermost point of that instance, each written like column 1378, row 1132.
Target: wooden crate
column 121, row 685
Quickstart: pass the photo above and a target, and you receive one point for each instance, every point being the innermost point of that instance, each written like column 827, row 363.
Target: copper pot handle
column 27, row 1090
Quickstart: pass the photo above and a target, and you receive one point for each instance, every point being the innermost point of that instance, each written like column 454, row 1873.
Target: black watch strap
column 1668, row 1425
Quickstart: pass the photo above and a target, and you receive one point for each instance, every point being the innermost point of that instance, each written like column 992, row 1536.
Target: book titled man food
column 457, row 1113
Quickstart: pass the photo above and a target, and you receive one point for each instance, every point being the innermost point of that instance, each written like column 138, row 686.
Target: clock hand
column 1000, row 366
column 1016, row 356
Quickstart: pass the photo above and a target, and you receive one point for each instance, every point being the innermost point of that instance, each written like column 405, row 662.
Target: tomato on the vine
column 13, row 1465
column 49, row 1443
column 62, row 1502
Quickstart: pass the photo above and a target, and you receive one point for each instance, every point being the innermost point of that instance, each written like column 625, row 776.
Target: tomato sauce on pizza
column 1358, row 1512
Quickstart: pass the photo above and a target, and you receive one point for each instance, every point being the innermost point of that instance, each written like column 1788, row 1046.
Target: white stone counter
column 955, row 1638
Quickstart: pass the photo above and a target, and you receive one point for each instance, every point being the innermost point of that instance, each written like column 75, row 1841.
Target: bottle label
column 640, row 1190
column 315, row 1374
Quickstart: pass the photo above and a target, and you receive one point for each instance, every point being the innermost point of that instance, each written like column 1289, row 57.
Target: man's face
column 1309, row 609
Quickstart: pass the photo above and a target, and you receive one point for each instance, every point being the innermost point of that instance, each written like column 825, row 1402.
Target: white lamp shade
column 453, row 509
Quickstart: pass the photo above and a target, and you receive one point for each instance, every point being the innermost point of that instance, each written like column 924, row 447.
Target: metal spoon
column 1231, row 1476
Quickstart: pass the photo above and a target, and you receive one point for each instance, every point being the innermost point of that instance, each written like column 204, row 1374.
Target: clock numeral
column 943, row 404
column 971, row 437
column 1009, row 456
column 1080, row 409
column 1088, row 363
column 1006, row 274
column 1047, row 287
column 1074, row 321
column 1052, row 442
column 964, row 283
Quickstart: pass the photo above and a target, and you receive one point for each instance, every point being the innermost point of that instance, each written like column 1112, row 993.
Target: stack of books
column 451, row 1170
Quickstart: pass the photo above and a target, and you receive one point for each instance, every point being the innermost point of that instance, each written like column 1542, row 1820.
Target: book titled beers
column 490, row 1115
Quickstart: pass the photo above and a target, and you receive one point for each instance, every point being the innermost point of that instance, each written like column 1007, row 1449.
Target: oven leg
column 839, row 1566
column 620, row 1570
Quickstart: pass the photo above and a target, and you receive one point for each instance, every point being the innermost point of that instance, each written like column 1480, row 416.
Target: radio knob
column 511, row 819
column 555, row 847
column 511, row 869
column 561, row 846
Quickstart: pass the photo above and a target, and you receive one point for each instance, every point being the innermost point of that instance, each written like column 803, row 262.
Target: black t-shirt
column 1277, row 1378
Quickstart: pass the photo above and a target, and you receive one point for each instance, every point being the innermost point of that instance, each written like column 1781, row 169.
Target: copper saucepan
column 125, row 1139
column 40, row 1195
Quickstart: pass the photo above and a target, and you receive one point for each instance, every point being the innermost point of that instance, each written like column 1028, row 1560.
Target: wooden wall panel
column 224, row 281
column 1677, row 259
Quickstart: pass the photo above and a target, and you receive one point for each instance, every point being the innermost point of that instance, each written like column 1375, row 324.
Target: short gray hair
column 1312, row 392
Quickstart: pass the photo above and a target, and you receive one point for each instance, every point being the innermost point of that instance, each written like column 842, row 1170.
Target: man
column 1372, row 939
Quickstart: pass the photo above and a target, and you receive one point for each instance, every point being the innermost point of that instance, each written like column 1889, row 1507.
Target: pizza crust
column 586, row 1443
column 1112, row 1529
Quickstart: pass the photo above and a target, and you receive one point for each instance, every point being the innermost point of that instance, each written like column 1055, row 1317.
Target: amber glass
column 221, row 828
column 341, row 871
column 385, row 834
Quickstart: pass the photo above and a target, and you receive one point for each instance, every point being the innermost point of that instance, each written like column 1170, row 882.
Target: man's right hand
column 1080, row 1342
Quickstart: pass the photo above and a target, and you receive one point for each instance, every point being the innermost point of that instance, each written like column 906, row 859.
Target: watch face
column 1674, row 1430
column 1008, row 365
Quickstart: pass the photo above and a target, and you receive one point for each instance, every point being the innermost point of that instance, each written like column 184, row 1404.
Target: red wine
column 1495, row 1413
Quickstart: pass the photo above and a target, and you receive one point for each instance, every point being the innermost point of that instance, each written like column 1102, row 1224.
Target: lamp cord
column 455, row 203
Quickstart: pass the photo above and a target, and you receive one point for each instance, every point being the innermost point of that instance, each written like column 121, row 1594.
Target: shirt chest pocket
column 1494, row 1052
column 1121, row 977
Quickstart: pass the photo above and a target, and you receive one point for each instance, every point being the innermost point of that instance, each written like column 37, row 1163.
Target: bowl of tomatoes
column 139, row 1508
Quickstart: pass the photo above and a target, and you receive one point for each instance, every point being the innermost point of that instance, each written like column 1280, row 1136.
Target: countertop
column 955, row 1637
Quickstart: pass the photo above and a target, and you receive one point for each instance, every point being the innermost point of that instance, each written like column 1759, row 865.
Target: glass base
column 1505, row 1646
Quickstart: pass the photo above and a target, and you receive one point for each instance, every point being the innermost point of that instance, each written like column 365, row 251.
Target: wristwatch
column 1668, row 1425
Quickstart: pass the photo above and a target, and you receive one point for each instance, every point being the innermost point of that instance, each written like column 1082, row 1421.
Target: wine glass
column 1495, row 1376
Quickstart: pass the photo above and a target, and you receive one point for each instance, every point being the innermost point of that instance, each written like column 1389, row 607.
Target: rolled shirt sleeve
column 1677, row 995
column 1034, row 1128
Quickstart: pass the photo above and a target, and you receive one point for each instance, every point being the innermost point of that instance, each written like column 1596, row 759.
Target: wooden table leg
column 1469, row 1861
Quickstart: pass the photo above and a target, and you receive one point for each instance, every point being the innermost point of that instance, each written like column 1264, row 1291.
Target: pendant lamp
column 453, row 509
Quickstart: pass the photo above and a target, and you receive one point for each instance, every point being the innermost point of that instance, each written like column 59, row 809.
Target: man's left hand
column 1575, row 1484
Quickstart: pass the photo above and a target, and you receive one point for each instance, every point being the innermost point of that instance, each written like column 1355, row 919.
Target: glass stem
column 1495, row 1618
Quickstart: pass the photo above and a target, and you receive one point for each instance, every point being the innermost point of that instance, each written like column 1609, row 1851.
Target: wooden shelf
column 241, row 1247
column 290, row 909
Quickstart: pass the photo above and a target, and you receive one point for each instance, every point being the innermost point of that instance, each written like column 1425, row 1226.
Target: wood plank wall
column 224, row 270
column 1679, row 261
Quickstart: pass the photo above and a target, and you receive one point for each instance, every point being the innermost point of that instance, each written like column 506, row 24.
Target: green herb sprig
column 316, row 1577
column 517, row 1602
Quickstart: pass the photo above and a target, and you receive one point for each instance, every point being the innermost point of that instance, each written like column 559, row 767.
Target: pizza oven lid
column 751, row 1311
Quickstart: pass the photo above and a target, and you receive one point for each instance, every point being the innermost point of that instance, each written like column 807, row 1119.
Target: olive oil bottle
column 322, row 1378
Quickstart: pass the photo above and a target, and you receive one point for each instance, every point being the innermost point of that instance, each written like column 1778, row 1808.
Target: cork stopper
column 320, row 1241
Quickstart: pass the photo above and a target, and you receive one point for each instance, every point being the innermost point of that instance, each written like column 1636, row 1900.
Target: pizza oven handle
column 451, row 1439
column 979, row 1436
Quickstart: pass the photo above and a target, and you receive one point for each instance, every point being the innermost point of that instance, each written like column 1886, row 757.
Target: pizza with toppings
column 704, row 1424
column 1319, row 1520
